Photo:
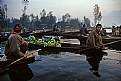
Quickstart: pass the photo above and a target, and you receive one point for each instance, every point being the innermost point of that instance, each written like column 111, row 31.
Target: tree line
column 46, row 20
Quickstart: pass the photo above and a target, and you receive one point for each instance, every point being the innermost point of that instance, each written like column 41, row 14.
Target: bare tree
column 43, row 13
column 97, row 14
column 25, row 2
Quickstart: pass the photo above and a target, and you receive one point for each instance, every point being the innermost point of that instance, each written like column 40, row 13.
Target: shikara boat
column 108, row 41
column 4, row 38
column 5, row 63
column 76, row 35
column 65, row 47
column 72, row 35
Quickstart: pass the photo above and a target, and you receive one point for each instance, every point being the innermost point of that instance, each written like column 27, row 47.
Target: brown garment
column 13, row 46
column 94, row 39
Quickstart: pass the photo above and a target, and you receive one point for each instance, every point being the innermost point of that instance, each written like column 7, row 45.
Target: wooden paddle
column 4, row 69
column 99, row 46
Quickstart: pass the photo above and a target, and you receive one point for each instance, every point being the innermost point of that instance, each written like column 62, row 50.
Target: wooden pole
column 6, row 67
column 99, row 46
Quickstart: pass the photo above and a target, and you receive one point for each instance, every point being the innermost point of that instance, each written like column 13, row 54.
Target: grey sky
column 76, row 8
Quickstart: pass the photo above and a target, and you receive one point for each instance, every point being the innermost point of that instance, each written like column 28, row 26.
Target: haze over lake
column 110, row 9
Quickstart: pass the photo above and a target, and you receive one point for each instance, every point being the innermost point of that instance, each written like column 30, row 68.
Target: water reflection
column 94, row 59
column 20, row 72
column 67, row 66
column 92, row 56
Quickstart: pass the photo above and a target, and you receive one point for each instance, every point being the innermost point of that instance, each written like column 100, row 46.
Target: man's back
column 13, row 44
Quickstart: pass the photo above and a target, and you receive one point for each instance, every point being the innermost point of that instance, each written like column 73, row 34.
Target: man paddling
column 14, row 43
column 94, row 38
column 15, row 48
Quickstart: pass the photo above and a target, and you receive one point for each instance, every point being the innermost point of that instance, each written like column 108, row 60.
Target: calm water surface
column 67, row 66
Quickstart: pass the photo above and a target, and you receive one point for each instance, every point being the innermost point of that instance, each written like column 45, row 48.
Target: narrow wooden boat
column 5, row 63
column 106, row 39
column 26, row 34
column 65, row 47
column 4, row 38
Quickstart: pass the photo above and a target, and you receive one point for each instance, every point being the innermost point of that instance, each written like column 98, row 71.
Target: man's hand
column 24, row 55
column 99, row 46
column 23, row 41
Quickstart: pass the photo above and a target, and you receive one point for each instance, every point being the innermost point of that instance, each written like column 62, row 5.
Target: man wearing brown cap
column 13, row 44
column 14, row 50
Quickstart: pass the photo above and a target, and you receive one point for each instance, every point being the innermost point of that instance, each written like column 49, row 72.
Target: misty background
column 111, row 9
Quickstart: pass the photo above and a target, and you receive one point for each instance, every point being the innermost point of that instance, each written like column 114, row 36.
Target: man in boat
column 15, row 48
column 94, row 39
column 84, row 30
column 14, row 43
column 113, row 30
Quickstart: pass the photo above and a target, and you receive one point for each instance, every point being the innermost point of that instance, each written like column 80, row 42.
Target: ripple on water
column 67, row 66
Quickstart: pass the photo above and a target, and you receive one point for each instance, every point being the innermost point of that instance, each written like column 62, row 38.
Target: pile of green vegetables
column 53, row 41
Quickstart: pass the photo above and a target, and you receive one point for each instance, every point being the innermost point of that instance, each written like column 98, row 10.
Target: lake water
column 67, row 66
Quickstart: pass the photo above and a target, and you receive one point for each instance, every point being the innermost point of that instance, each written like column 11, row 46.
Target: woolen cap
column 17, row 27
